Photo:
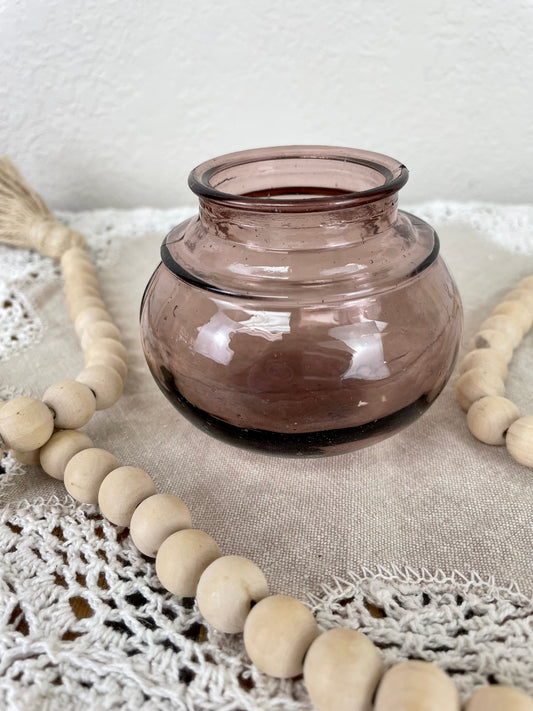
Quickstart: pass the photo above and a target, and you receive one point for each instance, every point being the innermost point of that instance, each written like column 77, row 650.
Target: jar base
column 304, row 444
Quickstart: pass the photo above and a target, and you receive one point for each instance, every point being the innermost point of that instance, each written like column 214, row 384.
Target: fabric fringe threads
column 25, row 219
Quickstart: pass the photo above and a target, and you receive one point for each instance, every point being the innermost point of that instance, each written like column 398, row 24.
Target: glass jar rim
column 394, row 173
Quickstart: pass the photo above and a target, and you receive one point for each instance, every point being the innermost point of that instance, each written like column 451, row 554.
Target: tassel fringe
column 25, row 219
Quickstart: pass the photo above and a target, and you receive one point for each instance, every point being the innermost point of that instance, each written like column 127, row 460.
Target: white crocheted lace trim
column 509, row 226
column 84, row 616
column 20, row 326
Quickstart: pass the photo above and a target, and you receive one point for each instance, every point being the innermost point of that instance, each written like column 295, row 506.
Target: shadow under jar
column 300, row 313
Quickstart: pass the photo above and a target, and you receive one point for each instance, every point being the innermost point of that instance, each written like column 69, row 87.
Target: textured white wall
column 111, row 103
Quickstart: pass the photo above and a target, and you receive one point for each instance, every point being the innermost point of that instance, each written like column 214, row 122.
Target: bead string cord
column 480, row 390
column 342, row 668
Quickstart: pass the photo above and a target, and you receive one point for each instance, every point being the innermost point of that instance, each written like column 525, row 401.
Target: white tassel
column 26, row 221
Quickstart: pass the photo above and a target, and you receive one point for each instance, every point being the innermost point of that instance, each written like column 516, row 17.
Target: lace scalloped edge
column 396, row 573
column 338, row 585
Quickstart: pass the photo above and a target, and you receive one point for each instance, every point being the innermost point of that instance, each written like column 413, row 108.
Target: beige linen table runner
column 423, row 541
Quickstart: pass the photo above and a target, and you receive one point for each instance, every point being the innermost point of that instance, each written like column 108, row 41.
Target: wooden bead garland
column 155, row 519
column 26, row 424
column 499, row 698
column 524, row 296
column 489, row 338
column 518, row 311
column 475, row 384
column 508, row 325
column 416, row 685
column 86, row 471
column 492, row 418
column 105, row 382
column 30, row 458
column 72, row 404
column 77, row 303
column 60, row 449
column 88, row 287
column 111, row 360
column 486, row 359
column 105, row 345
column 342, row 670
column 98, row 329
column 182, row 558
column 122, row 491
column 519, row 440
column 92, row 314
column 277, row 634
column 342, row 667
column 227, row 590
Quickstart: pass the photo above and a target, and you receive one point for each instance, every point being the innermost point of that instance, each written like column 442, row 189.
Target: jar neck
column 289, row 231
column 284, row 222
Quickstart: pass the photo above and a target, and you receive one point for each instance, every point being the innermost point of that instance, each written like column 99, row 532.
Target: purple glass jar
column 300, row 313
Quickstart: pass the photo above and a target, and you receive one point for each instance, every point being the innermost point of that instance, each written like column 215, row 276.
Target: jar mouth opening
column 298, row 178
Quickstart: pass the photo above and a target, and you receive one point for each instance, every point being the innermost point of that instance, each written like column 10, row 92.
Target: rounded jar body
column 300, row 313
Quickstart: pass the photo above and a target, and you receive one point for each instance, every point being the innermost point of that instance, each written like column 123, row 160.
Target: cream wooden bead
column 516, row 310
column 90, row 315
column 77, row 274
column 82, row 284
column 72, row 403
column 496, row 341
column 73, row 253
column 81, row 302
column 490, row 417
column 525, row 296
column 519, row 440
column 508, row 325
column 99, row 329
column 182, row 558
column 499, row 698
column 83, row 266
column 526, row 283
column 475, row 384
column 341, row 671
column 86, row 471
column 277, row 634
column 486, row 359
column 75, row 264
column 155, row 519
column 80, row 277
column 227, row 590
column 77, row 268
column 30, row 458
column 25, row 424
column 122, row 491
column 80, row 281
column 106, row 384
column 60, row 449
column 416, row 685
column 75, row 291
column 70, row 256
column 111, row 360
column 105, row 345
